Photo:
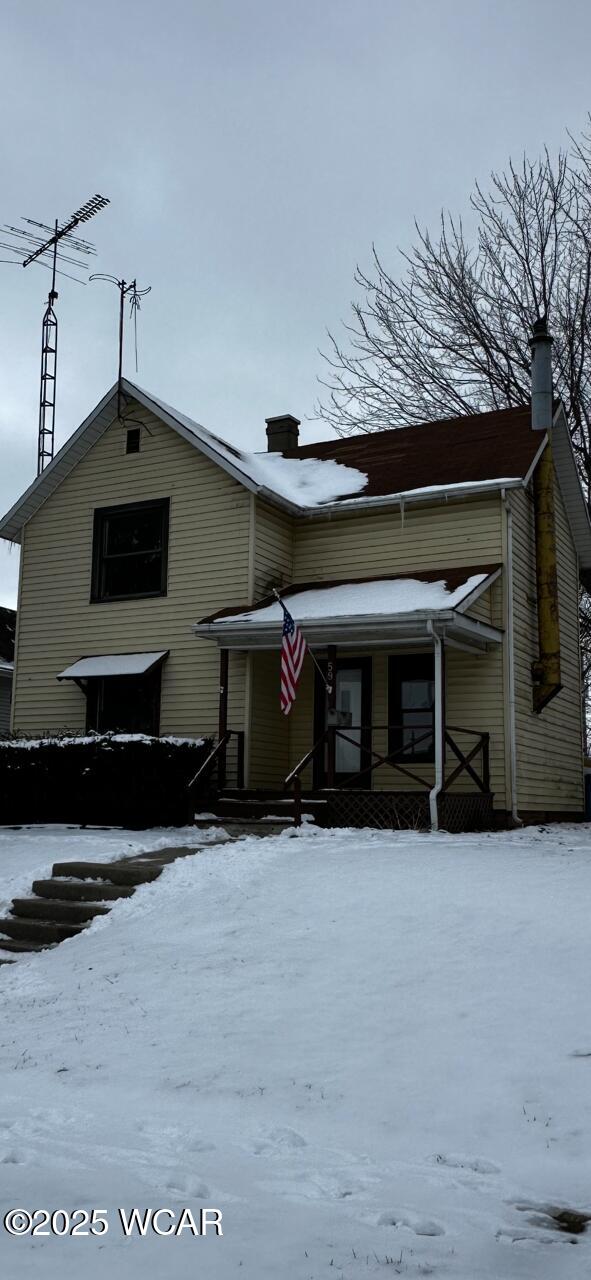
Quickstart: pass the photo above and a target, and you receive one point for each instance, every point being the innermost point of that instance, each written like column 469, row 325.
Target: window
column 132, row 442
column 130, row 550
column 411, row 697
column 124, row 704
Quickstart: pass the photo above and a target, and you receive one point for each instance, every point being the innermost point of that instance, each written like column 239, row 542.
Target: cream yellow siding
column 273, row 565
column 269, row 739
column 549, row 745
column 207, row 568
column 444, row 536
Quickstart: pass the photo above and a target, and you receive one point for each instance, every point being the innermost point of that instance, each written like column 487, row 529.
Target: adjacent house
column 434, row 571
column 7, row 629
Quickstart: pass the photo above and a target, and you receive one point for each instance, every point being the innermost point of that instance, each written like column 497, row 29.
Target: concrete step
column 56, row 911
column 228, row 806
column 20, row 947
column 127, row 873
column 238, row 826
column 37, row 930
column 81, row 892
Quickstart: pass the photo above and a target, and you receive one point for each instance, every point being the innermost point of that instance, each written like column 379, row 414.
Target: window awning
column 113, row 664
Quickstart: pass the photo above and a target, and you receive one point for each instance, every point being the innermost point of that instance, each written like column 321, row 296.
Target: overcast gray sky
column 252, row 151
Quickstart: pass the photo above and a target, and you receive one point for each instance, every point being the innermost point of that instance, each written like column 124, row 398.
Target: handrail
column 305, row 760
column 482, row 744
column 217, row 751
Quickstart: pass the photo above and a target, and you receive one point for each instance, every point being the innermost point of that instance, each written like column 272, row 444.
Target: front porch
column 397, row 723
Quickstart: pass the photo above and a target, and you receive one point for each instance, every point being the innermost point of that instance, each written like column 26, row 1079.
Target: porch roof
column 378, row 612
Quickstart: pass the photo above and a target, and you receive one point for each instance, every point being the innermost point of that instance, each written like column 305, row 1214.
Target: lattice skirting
column 404, row 810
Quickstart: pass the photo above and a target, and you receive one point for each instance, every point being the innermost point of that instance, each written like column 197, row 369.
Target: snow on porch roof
column 368, row 602
column 113, row 664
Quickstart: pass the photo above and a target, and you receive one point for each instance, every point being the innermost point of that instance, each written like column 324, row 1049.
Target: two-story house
column 433, row 570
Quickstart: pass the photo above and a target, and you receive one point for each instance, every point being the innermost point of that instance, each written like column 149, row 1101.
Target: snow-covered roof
column 113, row 664
column 430, row 462
column 376, row 598
column 352, row 608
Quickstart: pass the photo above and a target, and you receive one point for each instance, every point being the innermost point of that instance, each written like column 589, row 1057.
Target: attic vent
column 133, row 440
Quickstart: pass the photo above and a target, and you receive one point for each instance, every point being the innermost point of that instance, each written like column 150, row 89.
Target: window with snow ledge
column 130, row 551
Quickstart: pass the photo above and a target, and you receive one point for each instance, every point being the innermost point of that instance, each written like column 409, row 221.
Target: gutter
column 348, row 506
column 322, row 630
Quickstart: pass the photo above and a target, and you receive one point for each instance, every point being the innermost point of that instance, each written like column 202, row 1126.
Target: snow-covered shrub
column 104, row 779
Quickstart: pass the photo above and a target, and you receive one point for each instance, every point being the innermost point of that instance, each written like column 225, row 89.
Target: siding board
column 208, row 563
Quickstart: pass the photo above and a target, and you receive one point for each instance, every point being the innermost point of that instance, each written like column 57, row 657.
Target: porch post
column 331, row 680
column 223, row 714
column 438, row 727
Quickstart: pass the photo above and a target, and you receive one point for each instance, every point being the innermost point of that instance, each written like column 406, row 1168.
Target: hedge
column 106, row 779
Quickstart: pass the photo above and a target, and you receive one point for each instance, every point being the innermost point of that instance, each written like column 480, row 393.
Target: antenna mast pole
column 46, row 430
column 135, row 295
column 20, row 242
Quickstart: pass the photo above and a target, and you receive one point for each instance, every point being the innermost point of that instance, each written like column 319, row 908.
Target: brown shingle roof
column 483, row 446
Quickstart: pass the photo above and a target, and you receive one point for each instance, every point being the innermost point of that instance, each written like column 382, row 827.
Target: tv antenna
column 34, row 242
column 127, row 289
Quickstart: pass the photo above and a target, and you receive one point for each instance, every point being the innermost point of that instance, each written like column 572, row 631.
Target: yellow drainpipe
column 546, row 668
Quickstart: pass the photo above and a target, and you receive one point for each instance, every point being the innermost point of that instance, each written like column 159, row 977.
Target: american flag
column 293, row 652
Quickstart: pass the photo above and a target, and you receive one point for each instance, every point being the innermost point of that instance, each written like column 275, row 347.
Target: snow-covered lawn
column 28, row 853
column 371, row 1051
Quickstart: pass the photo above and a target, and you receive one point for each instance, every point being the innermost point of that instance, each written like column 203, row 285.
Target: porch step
column 56, row 911
column 237, row 826
column 118, row 873
column 78, row 891
column 43, row 931
column 280, row 806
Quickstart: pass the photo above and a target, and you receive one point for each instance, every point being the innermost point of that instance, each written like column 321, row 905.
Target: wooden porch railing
column 218, row 755
column 392, row 760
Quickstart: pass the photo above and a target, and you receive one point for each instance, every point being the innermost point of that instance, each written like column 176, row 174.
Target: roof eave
column 369, row 629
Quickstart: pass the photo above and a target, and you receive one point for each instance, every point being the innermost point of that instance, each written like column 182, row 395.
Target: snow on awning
column 113, row 664
column 370, row 611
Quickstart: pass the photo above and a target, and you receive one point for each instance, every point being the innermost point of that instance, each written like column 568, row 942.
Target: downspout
column 249, row 673
column 546, row 668
column 437, row 728
column 511, row 662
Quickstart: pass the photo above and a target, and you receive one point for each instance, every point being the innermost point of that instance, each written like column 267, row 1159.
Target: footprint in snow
column 475, row 1164
column 186, row 1185
column 402, row 1218
column 11, row 1157
column 278, row 1142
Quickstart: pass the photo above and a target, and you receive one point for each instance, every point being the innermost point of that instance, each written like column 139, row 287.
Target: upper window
column 132, row 441
column 130, row 550
column 411, row 706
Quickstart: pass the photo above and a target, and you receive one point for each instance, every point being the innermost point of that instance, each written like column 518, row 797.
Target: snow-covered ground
column 371, row 1051
column 28, row 853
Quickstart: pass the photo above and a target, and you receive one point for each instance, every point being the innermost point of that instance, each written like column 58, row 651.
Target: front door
column 353, row 699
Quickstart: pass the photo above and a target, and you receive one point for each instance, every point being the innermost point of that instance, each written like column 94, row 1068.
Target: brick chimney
column 282, row 433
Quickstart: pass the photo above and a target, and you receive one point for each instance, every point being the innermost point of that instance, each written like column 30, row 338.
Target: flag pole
column 327, row 686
